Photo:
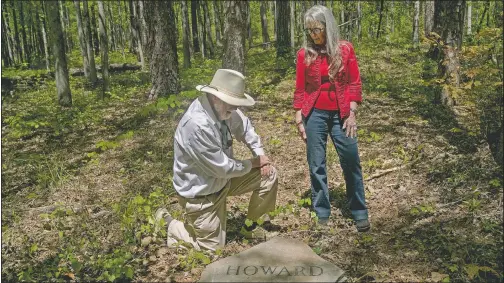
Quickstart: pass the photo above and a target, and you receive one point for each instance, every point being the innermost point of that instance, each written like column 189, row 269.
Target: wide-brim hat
column 229, row 86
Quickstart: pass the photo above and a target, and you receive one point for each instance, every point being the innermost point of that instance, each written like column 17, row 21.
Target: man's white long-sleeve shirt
column 202, row 164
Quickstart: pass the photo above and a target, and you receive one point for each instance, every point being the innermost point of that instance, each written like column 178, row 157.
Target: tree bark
column 201, row 31
column 111, row 27
column 217, row 23
column 283, row 37
column 19, row 49
column 449, row 24
column 7, row 33
column 186, row 32
column 380, row 20
column 164, row 61
column 264, row 24
column 58, row 43
column 235, row 25
column 429, row 17
column 104, row 49
column 94, row 29
column 469, row 17
column 89, row 47
column 208, row 29
column 249, row 25
column 26, row 46
column 82, row 39
column 359, row 21
column 416, row 24
column 135, row 28
column 292, row 23
column 122, row 34
column 43, row 26
column 194, row 22
column 133, row 43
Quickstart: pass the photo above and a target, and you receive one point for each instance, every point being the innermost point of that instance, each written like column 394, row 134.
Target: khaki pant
column 205, row 217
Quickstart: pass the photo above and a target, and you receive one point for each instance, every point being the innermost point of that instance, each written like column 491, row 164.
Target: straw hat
column 228, row 86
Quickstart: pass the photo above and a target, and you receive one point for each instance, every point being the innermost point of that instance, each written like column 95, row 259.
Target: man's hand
column 260, row 161
column 263, row 162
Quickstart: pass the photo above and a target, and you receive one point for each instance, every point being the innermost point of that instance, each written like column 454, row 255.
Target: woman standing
column 328, row 90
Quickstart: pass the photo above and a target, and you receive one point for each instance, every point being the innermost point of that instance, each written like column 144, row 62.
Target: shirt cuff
column 247, row 165
column 258, row 151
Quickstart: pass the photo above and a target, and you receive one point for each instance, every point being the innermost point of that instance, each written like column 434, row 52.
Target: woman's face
column 316, row 30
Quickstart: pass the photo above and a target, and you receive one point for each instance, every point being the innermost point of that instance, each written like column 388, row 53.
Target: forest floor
column 434, row 192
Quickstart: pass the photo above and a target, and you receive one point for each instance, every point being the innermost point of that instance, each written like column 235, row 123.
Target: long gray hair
column 325, row 16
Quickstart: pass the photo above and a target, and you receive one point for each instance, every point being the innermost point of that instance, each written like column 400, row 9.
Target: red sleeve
column 300, row 80
column 354, row 90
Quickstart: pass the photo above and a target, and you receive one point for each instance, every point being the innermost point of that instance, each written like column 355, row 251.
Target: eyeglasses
column 315, row 31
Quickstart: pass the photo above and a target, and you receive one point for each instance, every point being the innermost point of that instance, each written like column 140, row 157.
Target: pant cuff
column 360, row 214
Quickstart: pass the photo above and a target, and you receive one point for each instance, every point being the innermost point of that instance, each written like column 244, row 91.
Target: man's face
column 223, row 109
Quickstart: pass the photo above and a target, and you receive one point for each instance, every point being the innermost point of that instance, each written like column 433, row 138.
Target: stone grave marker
column 277, row 260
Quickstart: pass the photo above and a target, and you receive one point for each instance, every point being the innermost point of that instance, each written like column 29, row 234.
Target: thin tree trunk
column 264, row 24
column 469, row 17
column 82, row 39
column 58, row 43
column 43, row 26
column 186, row 32
column 292, row 23
column 201, row 31
column 208, row 28
column 122, row 34
column 487, row 3
column 19, row 49
column 111, row 27
column 218, row 39
column 104, row 49
column 143, row 26
column 249, row 25
column 89, row 47
column 429, row 17
column 275, row 17
column 194, row 22
column 133, row 43
column 359, row 21
column 94, row 29
column 26, row 46
column 136, row 35
column 416, row 24
column 235, row 25
column 8, row 34
column 380, row 21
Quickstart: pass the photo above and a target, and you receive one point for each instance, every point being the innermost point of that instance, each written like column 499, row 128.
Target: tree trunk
column 111, row 27
column 416, row 24
column 274, row 12
column 194, row 22
column 63, row 27
column 164, row 61
column 89, row 47
column 283, row 37
column 19, row 49
column 359, row 21
column 292, row 23
column 249, row 25
column 469, row 17
column 429, row 17
column 135, row 28
column 217, row 23
column 487, row 4
column 7, row 33
column 133, row 46
column 264, row 24
column 122, row 34
column 208, row 29
column 201, row 31
column 58, row 47
column 43, row 26
column 186, row 32
column 96, row 41
column 449, row 24
column 104, row 49
column 82, row 39
column 26, row 46
column 143, row 26
column 235, row 25
column 380, row 20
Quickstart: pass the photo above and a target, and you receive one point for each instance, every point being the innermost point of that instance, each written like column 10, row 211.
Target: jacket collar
column 207, row 108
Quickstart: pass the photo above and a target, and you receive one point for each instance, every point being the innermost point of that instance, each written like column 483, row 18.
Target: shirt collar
column 203, row 99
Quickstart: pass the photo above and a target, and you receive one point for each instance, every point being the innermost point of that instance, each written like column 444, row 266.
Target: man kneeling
column 204, row 171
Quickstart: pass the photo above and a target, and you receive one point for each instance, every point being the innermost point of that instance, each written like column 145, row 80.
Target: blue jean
column 318, row 125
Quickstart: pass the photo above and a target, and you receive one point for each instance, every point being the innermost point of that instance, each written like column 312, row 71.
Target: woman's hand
column 350, row 125
column 299, row 124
